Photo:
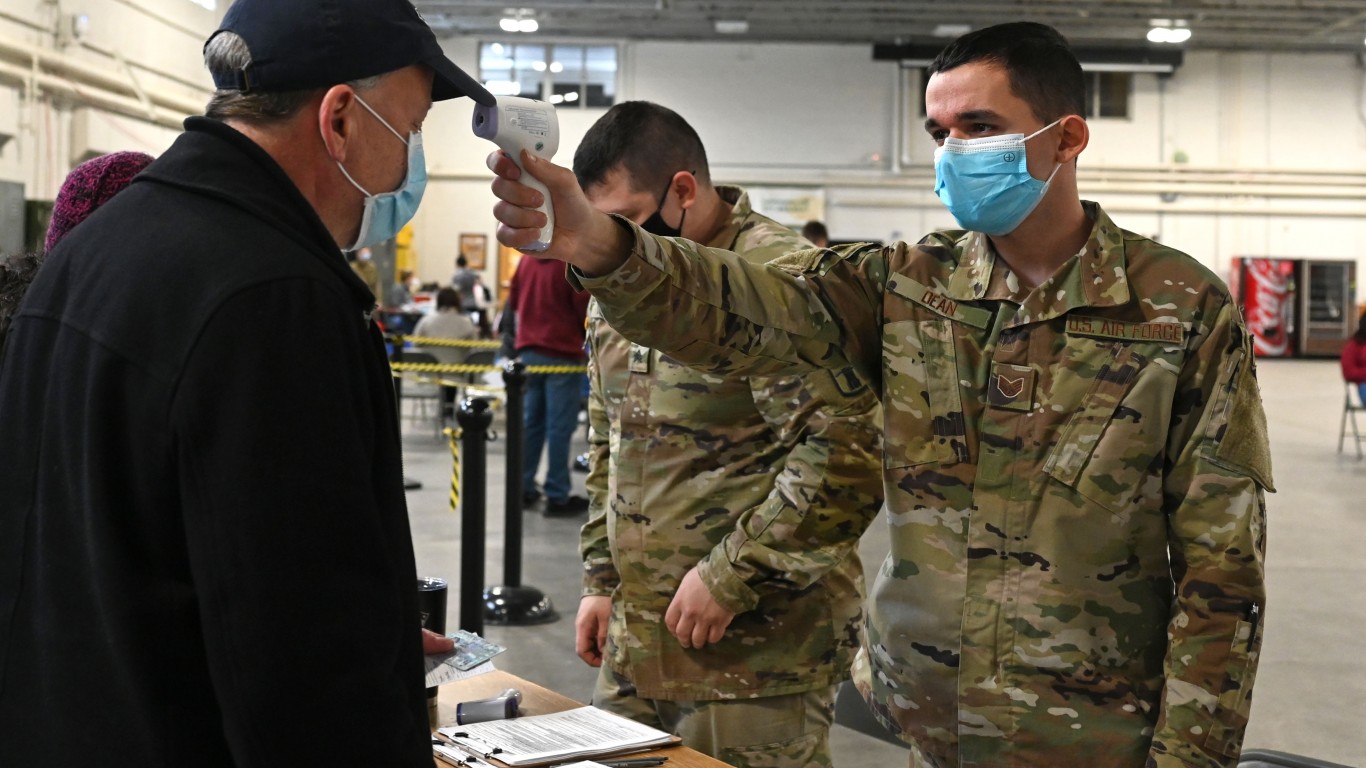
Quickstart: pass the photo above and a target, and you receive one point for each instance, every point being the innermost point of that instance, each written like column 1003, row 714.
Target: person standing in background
column 364, row 267
column 730, row 506
column 473, row 294
column 463, row 280
column 543, row 325
column 86, row 188
column 815, row 232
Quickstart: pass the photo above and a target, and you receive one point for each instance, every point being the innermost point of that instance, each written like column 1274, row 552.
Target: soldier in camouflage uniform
column 1075, row 453
column 723, row 591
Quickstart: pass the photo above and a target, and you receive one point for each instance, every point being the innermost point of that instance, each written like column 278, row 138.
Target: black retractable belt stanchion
column 396, row 356
column 512, row 603
column 474, row 417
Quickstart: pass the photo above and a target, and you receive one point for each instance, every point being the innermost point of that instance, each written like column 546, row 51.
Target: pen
column 644, row 762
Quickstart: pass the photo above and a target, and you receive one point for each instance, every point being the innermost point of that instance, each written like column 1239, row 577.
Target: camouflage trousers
column 787, row 731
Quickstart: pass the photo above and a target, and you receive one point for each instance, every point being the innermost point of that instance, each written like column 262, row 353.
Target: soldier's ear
column 685, row 186
column 1075, row 135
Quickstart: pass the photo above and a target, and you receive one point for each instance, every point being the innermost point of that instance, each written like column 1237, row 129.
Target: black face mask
column 656, row 225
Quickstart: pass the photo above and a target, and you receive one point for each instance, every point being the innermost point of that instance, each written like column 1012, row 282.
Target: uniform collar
column 740, row 210
column 1094, row 277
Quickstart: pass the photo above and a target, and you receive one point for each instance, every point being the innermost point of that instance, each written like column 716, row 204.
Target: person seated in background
column 401, row 292
column 1354, row 359
column 449, row 321
column 816, row 233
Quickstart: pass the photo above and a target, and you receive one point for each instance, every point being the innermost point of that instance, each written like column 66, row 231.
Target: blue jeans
column 549, row 416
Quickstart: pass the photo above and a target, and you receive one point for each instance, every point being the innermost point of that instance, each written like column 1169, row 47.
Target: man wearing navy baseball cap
column 205, row 557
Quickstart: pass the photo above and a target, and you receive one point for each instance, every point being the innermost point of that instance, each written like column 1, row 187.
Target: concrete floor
column 1311, row 688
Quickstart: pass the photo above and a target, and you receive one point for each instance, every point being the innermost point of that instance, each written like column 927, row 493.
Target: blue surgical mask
column 985, row 183
column 386, row 213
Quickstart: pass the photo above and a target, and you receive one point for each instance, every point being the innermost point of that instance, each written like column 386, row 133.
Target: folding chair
column 1350, row 407
column 422, row 392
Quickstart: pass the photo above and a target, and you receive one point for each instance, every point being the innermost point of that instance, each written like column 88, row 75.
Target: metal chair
column 422, row 392
column 1267, row 758
column 1350, row 407
column 479, row 357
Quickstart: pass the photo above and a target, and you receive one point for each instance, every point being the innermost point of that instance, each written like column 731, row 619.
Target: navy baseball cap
column 303, row 44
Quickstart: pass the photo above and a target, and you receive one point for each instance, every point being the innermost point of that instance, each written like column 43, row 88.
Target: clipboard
column 541, row 740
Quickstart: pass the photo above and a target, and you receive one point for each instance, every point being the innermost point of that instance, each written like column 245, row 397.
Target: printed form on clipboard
column 555, row 738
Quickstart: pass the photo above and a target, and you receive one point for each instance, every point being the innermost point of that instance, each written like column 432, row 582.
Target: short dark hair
column 1043, row 71
column 650, row 142
column 448, row 298
column 814, row 229
column 461, row 261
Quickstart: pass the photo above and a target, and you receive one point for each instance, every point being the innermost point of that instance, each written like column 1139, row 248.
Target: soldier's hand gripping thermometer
column 514, row 124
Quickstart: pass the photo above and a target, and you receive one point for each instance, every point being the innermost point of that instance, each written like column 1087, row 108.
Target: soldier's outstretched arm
column 706, row 307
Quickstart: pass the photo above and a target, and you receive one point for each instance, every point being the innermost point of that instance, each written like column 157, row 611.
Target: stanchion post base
column 517, row 606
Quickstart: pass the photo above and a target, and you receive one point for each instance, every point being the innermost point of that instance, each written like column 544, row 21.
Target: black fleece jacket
column 205, row 557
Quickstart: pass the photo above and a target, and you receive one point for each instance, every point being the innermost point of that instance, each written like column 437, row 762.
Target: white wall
column 818, row 116
column 825, row 116
column 778, row 112
column 151, row 46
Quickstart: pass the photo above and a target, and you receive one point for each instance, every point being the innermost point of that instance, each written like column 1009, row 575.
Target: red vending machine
column 1296, row 307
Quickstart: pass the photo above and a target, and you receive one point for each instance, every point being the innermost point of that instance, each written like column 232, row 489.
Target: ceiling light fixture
column 731, row 26
column 518, row 20
column 951, row 30
column 1171, row 31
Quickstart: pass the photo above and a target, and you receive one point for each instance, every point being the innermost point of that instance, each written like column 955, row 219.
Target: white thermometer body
column 514, row 124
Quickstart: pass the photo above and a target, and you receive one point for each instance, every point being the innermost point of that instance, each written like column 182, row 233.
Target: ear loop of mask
column 383, row 122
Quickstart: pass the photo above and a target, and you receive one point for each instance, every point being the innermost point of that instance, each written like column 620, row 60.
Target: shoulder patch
column 822, row 260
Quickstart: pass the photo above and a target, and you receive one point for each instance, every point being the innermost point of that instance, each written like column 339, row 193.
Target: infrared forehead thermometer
column 515, row 123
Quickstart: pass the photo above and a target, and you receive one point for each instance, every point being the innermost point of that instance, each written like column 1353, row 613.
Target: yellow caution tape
column 431, row 341
column 453, row 437
column 469, row 368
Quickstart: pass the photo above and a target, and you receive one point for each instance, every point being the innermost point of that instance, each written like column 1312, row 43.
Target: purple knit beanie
column 88, row 186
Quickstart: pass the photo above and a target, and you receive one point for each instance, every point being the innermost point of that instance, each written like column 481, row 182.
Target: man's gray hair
column 228, row 52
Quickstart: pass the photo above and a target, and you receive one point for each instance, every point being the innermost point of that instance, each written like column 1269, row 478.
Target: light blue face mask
column 385, row 214
column 985, row 183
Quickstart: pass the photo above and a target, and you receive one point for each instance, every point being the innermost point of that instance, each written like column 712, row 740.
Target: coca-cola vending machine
column 1296, row 307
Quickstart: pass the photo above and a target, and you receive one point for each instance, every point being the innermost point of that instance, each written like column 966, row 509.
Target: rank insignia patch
column 1011, row 387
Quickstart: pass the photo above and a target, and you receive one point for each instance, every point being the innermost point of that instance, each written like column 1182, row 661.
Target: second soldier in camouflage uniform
column 1075, row 453
column 717, row 497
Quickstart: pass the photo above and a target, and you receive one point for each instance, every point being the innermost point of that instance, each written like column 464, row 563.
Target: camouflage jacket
column 1074, row 479
column 764, row 484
